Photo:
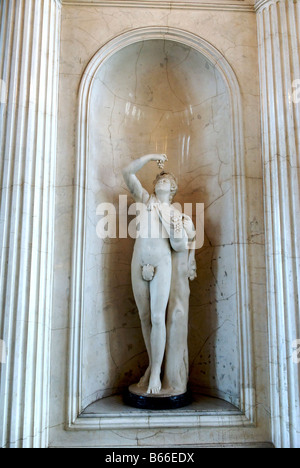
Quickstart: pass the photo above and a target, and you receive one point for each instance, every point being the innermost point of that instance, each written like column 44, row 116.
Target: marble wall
column 190, row 78
column 228, row 332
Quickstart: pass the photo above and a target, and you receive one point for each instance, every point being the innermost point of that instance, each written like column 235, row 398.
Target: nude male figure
column 151, row 267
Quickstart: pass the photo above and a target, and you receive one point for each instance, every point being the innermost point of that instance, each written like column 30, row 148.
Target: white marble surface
column 28, row 124
column 201, row 405
column 84, row 30
column 278, row 25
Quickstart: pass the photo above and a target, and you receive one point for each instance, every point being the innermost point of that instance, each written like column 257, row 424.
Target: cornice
column 261, row 4
column 241, row 6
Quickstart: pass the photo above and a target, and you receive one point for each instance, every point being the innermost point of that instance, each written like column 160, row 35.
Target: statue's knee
column 177, row 317
column 158, row 319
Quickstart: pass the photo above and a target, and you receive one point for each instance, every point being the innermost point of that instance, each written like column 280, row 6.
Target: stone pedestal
column 138, row 398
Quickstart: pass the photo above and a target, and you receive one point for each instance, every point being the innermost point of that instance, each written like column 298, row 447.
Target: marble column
column 29, row 48
column 279, row 37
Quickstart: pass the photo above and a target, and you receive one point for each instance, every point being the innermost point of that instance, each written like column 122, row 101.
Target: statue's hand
column 192, row 271
column 159, row 157
column 188, row 223
column 189, row 226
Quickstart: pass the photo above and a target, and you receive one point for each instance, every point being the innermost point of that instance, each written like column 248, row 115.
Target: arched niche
column 161, row 90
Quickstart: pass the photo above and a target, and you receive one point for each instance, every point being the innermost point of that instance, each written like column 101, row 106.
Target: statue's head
column 166, row 182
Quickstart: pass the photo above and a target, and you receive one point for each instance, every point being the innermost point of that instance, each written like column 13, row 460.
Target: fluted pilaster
column 279, row 41
column 29, row 47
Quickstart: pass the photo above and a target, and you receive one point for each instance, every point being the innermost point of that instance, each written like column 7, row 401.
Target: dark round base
column 157, row 403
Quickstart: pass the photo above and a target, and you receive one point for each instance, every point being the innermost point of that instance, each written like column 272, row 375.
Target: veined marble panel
column 92, row 29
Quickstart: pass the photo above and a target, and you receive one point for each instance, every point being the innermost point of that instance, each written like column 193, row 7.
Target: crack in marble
column 168, row 78
column 193, row 363
column 113, row 330
column 136, row 69
column 161, row 109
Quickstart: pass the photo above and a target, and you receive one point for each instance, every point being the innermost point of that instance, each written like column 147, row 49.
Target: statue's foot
column 154, row 385
column 144, row 382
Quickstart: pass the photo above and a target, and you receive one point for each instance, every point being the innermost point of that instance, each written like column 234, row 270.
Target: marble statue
column 163, row 263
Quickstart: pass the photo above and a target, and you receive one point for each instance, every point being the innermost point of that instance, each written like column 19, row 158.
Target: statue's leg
column 176, row 357
column 141, row 293
column 159, row 293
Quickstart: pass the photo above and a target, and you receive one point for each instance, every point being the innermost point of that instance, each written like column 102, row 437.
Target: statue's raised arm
column 129, row 173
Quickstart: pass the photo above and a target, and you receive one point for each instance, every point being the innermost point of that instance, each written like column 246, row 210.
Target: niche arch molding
column 246, row 416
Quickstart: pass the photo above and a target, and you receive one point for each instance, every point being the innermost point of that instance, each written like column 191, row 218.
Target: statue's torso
column 152, row 240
